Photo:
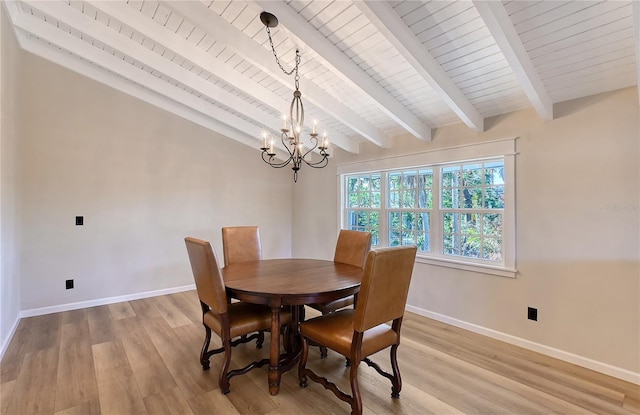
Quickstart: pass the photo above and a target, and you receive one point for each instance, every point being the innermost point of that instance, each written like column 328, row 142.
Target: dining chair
column 228, row 320
column 351, row 248
column 241, row 244
column 360, row 332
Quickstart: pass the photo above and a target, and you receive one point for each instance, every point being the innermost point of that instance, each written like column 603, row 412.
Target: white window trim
column 497, row 148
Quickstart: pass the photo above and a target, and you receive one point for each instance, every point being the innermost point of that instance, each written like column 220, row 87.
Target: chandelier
column 293, row 125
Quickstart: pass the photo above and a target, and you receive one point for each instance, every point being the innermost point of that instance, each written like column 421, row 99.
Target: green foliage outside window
column 468, row 191
column 410, row 197
column 364, row 195
column 469, row 210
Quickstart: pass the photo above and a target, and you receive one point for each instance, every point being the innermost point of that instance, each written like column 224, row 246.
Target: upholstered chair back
column 206, row 273
column 241, row 244
column 385, row 286
column 352, row 247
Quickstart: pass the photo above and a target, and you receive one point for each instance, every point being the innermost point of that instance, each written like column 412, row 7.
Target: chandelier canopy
column 293, row 124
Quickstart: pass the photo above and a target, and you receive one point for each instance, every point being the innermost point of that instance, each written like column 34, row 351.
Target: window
column 363, row 201
column 409, row 206
column 472, row 206
column 458, row 213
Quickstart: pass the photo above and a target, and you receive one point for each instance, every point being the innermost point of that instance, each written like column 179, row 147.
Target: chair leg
column 356, row 403
column 204, row 359
column 323, row 349
column 223, row 380
column 323, row 352
column 285, row 331
column 260, row 339
column 396, row 380
column 302, row 377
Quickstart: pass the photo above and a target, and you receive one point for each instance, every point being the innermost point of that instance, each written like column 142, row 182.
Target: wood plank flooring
column 142, row 357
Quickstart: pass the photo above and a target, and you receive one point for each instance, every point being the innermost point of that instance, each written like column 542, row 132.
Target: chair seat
column 334, row 305
column 245, row 318
column 335, row 330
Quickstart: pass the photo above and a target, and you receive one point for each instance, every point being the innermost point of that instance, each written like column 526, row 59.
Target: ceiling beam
column 636, row 30
column 234, row 39
column 345, row 68
column 392, row 27
column 90, row 53
column 501, row 28
column 85, row 24
column 178, row 45
column 145, row 56
column 13, row 10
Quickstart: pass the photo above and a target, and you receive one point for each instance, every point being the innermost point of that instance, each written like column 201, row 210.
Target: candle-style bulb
column 315, row 122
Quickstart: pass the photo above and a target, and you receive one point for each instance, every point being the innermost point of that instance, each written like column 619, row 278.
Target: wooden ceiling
column 370, row 71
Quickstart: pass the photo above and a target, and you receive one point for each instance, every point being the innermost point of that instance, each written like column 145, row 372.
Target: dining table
column 289, row 283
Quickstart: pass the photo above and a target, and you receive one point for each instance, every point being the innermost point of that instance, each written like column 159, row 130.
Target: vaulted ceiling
column 370, row 71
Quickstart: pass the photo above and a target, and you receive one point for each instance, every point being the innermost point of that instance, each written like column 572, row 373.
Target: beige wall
column 314, row 213
column 142, row 178
column 9, row 271
column 577, row 218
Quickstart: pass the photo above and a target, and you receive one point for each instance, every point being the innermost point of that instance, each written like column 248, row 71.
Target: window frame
column 436, row 159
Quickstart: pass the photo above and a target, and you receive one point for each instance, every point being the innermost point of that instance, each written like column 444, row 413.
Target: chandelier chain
column 295, row 69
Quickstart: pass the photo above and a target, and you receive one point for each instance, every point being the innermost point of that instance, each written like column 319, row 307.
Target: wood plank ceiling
column 370, row 71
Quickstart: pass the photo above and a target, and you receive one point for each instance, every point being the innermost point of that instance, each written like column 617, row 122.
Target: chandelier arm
column 283, row 137
column 291, row 157
column 320, row 164
column 272, row 164
column 314, row 141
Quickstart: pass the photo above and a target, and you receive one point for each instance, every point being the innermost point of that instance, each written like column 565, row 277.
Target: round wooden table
column 289, row 282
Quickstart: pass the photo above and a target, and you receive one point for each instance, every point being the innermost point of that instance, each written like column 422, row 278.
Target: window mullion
column 436, row 220
column 384, row 215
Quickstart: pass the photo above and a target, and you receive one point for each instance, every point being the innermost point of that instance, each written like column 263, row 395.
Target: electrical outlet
column 532, row 313
column 69, row 284
column 79, row 220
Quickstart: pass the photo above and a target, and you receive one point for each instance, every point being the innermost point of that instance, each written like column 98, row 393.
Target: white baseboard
column 3, row 346
column 601, row 367
column 102, row 301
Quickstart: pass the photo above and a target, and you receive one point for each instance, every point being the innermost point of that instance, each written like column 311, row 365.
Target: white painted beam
column 12, row 9
column 126, row 15
column 221, row 121
column 345, row 68
column 71, row 17
column 636, row 34
column 234, row 39
column 84, row 24
column 501, row 28
column 392, row 27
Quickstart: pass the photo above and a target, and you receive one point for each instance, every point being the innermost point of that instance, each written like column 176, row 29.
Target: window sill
column 466, row 266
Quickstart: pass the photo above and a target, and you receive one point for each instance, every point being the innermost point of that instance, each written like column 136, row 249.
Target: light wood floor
column 141, row 357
